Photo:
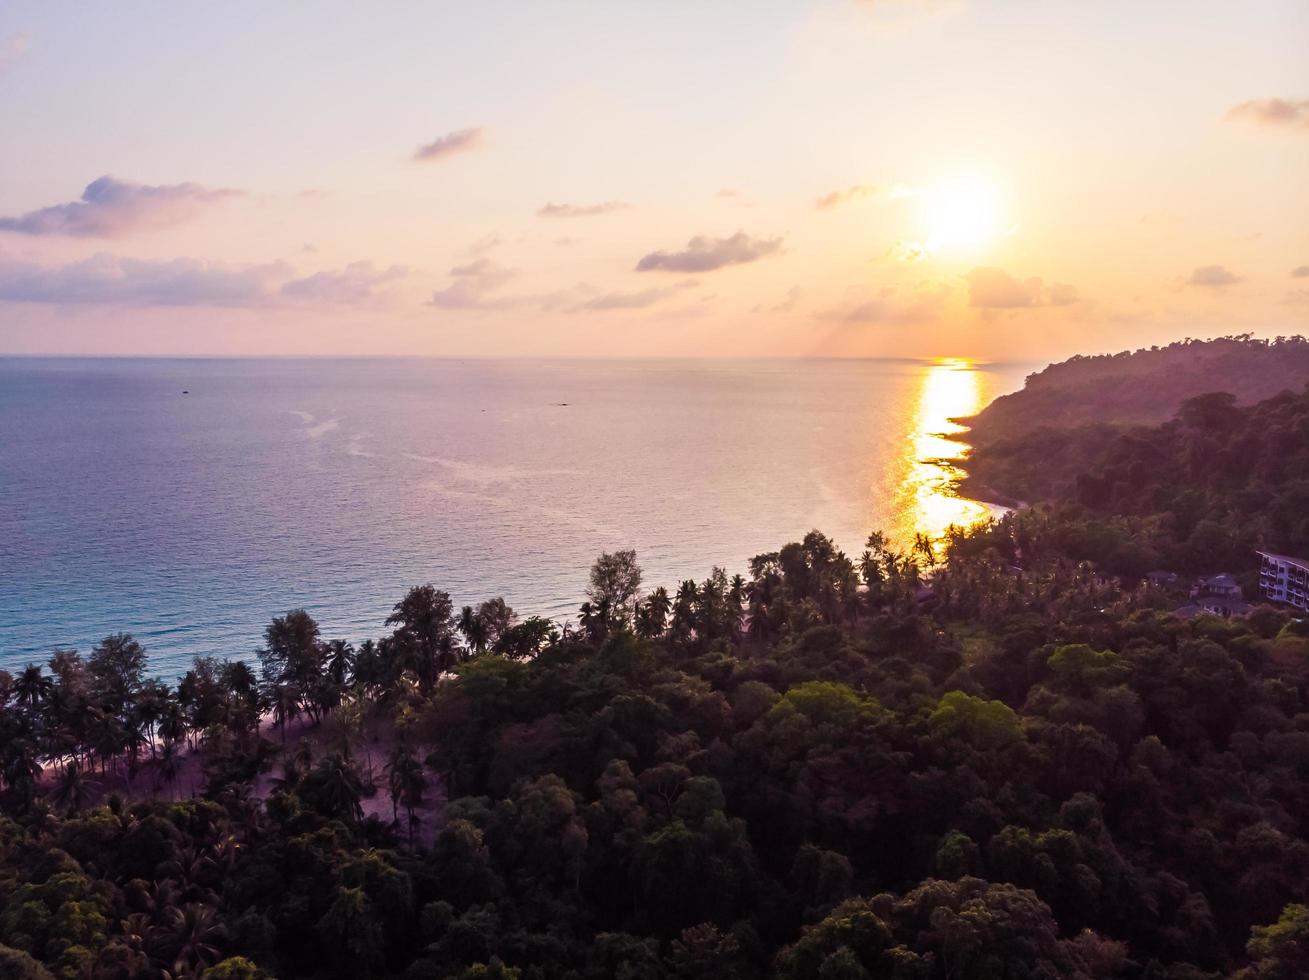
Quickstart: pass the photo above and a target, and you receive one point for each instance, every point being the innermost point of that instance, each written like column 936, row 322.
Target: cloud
column 992, row 288
column 357, row 283
column 12, row 47
column 1292, row 113
column 633, row 300
column 474, row 287
column 486, row 243
column 705, row 254
column 110, row 207
column 1300, row 272
column 845, row 196
column 925, row 303
column 552, row 210
column 458, row 141
column 114, row 280
column 628, row 301
column 1212, row 276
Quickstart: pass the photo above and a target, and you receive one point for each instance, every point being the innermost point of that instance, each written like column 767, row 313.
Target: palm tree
column 285, row 700
column 338, row 787
column 652, row 614
column 474, row 629
column 407, row 783
column 32, row 687
column 340, row 661
column 72, row 790
column 166, row 766
column 190, row 937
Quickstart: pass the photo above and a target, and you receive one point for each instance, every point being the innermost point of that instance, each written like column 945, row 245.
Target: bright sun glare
column 962, row 214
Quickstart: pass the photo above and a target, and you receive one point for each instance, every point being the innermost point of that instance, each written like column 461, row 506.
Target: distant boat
column 185, row 392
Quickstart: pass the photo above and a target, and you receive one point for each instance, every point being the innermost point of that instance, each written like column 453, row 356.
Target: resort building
column 1285, row 579
column 1217, row 586
column 1215, row 595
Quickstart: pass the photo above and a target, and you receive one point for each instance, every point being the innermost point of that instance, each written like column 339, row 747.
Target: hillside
column 1143, row 386
column 1200, row 490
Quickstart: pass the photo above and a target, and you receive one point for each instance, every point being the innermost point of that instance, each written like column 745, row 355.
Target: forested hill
column 1144, row 386
column 1197, row 493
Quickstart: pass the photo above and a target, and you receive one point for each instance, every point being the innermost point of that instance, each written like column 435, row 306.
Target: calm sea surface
column 191, row 519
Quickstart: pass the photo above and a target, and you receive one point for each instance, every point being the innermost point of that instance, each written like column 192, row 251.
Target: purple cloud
column 1212, row 276
column 114, row 280
column 836, row 198
column 474, row 288
column 458, row 141
column 110, row 207
column 991, row 288
column 705, row 254
column 1292, row 113
column 552, row 210
column 357, row 283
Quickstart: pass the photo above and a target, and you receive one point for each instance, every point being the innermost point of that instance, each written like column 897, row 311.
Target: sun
column 961, row 214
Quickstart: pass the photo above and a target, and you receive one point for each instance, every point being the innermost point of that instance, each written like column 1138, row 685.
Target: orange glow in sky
column 1003, row 181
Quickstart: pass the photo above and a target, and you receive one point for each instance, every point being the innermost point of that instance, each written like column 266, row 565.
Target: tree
column 32, row 687
column 615, row 585
column 352, row 934
column 406, row 781
column 191, row 936
column 424, row 633
column 474, row 629
column 292, row 655
column 72, row 790
column 117, row 671
column 18, row 965
column 335, row 789
column 1280, row 951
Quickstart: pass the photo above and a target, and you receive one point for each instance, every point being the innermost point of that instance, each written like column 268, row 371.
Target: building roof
column 1302, row 562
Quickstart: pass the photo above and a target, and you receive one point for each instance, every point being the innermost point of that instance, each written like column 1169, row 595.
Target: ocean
column 189, row 501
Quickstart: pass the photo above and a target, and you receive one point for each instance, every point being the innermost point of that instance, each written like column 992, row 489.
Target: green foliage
column 981, row 723
column 1036, row 775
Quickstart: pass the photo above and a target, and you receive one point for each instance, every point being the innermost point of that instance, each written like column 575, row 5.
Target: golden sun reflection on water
column 951, row 388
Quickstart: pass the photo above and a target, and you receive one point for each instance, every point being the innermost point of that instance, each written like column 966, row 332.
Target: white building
column 1285, row 579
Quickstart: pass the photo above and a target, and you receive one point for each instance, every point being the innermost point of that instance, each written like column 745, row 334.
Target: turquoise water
column 191, row 519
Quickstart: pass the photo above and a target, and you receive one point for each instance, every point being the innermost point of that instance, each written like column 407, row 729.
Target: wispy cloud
column 1300, row 272
column 845, row 196
column 634, row 300
column 475, row 287
column 992, row 288
column 1212, row 276
column 552, row 210
column 114, row 280
column 459, row 141
column 1288, row 113
column 358, row 283
column 705, row 254
column 924, row 303
column 110, row 207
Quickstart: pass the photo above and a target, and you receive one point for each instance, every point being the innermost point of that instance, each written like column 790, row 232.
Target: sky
column 990, row 179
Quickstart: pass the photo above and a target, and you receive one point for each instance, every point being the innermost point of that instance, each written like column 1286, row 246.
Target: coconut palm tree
column 190, row 937
column 407, row 783
column 72, row 790
column 32, row 687
column 474, row 628
column 337, row 787
column 285, row 700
